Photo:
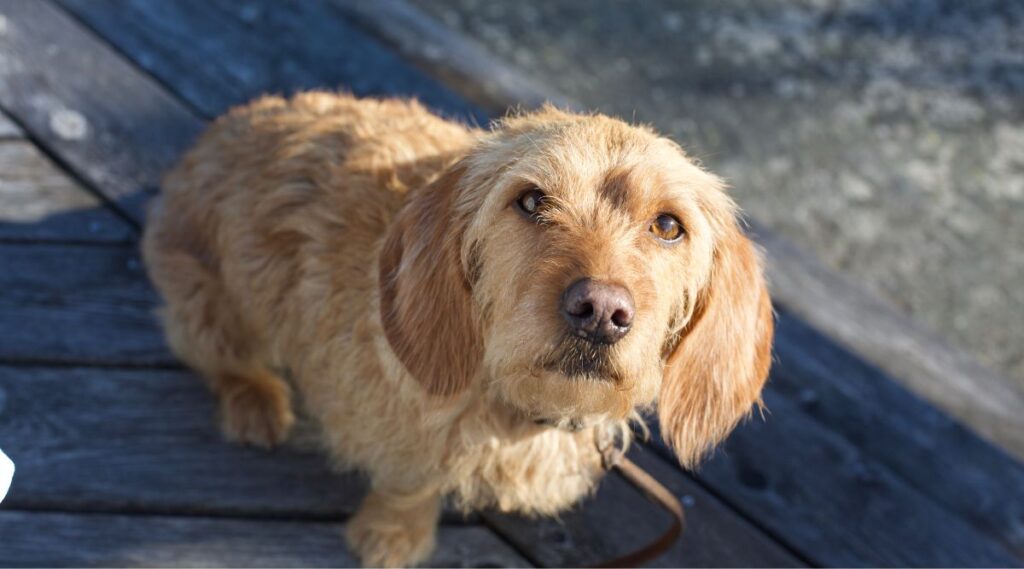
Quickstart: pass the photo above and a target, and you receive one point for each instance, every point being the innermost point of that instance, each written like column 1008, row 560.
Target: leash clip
column 611, row 452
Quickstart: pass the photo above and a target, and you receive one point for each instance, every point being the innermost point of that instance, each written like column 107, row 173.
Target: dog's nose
column 599, row 311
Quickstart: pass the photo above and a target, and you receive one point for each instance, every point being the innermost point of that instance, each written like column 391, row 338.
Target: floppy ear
column 715, row 373
column 426, row 304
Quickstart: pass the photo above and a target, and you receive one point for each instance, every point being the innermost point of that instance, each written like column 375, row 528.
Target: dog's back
column 281, row 204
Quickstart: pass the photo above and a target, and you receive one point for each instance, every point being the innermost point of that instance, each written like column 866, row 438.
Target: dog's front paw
column 256, row 414
column 384, row 536
column 389, row 545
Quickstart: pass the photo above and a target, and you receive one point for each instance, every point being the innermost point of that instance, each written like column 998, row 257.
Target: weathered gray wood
column 821, row 495
column 145, row 441
column 114, row 127
column 8, row 129
column 78, row 304
column 119, row 130
column 944, row 375
column 714, row 535
column 36, row 539
column 919, row 443
column 219, row 53
column 453, row 58
column 109, row 440
column 610, row 524
column 39, row 202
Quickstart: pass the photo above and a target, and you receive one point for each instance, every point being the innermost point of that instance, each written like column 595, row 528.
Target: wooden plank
column 919, row 443
column 78, row 304
column 454, row 59
column 715, row 535
column 153, row 447
column 610, row 524
column 8, row 129
column 824, row 497
column 114, row 127
column 119, row 130
column 146, row 441
column 35, row 539
column 114, row 440
column 38, row 202
column 219, row 53
column 944, row 375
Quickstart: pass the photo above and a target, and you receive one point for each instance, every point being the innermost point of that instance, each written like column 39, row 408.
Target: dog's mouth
column 571, row 385
column 577, row 358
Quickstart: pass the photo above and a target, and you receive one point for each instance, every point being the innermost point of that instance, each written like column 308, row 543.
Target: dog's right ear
column 716, row 372
column 426, row 300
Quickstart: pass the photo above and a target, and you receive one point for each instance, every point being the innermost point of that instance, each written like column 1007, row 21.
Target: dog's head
column 579, row 267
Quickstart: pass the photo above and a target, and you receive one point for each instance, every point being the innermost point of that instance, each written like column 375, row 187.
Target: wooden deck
column 119, row 462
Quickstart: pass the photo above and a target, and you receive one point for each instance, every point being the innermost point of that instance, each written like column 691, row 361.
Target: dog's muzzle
column 578, row 357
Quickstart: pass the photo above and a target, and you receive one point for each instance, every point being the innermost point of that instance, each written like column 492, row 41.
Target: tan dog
column 465, row 312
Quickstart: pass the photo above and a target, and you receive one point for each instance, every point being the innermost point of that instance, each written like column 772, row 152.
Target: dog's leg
column 206, row 330
column 255, row 407
column 394, row 529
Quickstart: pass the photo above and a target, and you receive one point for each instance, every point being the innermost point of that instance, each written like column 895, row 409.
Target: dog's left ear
column 426, row 302
column 715, row 373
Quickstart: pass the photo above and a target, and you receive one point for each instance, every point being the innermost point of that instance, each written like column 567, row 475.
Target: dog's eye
column 530, row 202
column 667, row 228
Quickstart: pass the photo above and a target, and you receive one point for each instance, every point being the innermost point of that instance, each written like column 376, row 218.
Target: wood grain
column 731, row 541
column 219, row 53
column 116, row 128
column 39, row 202
column 940, row 373
column 454, row 59
column 921, row 445
column 38, row 539
column 110, row 440
column 610, row 524
column 145, row 441
column 78, row 304
column 834, row 503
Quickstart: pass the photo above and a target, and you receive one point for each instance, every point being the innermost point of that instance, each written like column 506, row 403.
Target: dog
column 466, row 313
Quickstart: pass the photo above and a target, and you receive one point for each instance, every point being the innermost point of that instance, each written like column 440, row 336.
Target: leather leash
column 614, row 457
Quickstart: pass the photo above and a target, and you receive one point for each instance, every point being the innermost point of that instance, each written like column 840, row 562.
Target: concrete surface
column 887, row 137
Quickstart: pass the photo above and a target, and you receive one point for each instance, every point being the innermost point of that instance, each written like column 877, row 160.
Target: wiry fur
column 369, row 250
